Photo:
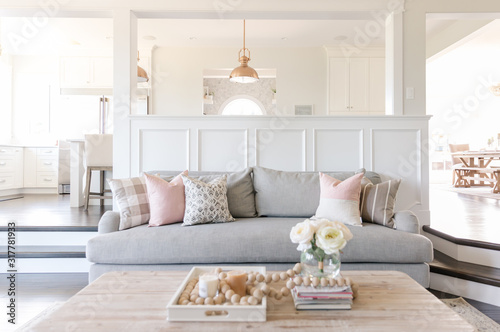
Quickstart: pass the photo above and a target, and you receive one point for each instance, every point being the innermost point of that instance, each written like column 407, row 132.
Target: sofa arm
column 406, row 221
column 110, row 221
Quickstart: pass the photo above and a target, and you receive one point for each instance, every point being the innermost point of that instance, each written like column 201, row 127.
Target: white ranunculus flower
column 302, row 233
column 318, row 223
column 330, row 239
column 345, row 231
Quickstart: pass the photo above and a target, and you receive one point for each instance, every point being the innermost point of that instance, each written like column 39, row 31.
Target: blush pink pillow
column 166, row 199
column 339, row 200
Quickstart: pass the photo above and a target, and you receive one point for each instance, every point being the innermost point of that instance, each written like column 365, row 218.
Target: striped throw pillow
column 132, row 198
column 377, row 205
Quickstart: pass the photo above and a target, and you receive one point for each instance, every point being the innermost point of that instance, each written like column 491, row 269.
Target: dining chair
column 98, row 157
column 455, row 161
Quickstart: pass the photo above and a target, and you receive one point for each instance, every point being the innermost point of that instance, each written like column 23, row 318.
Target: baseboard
column 20, row 191
column 465, row 288
column 474, row 255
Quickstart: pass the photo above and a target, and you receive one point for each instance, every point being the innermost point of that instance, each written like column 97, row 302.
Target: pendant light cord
column 244, row 37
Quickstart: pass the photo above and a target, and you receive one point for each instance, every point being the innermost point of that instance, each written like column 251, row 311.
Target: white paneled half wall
column 393, row 146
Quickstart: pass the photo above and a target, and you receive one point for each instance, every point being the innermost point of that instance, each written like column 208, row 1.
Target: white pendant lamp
column 244, row 73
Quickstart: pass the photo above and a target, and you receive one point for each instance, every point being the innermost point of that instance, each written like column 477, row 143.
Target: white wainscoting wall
column 394, row 146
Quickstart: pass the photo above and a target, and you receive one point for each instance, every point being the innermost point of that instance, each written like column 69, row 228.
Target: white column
column 124, row 87
column 394, row 64
column 77, row 171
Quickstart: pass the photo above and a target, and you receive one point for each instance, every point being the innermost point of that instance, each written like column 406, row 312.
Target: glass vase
column 329, row 267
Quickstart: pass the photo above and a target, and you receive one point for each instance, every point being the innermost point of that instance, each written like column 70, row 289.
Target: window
column 242, row 106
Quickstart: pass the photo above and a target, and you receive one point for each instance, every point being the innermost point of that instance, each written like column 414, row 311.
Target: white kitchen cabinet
column 86, row 72
column 11, row 167
column 377, row 85
column 40, row 167
column 355, row 85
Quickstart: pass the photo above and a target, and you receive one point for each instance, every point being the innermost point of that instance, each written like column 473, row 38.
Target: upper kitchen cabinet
column 356, row 85
column 86, row 72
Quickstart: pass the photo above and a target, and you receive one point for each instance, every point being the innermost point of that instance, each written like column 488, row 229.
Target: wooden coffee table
column 136, row 301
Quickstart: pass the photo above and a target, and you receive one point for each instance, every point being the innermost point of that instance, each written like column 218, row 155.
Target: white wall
column 32, row 79
column 463, row 108
column 290, row 143
column 5, row 99
column 178, row 76
column 40, row 115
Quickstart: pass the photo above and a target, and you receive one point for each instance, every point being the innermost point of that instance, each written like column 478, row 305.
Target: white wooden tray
column 216, row 313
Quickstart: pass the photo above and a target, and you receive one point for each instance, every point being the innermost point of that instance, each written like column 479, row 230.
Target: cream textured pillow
column 339, row 200
column 206, row 202
column 132, row 199
column 378, row 202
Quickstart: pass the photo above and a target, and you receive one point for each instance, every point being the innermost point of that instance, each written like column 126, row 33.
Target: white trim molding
column 390, row 145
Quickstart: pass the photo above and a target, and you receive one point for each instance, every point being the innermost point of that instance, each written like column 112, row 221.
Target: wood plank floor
column 465, row 216
column 49, row 211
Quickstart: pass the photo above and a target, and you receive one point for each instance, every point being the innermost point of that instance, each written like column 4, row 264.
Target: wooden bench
column 466, row 174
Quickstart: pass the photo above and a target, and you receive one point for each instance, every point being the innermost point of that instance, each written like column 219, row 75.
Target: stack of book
column 322, row 298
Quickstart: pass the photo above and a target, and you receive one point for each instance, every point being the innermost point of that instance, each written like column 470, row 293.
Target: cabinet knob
column 47, row 179
column 49, row 151
column 47, row 163
column 3, row 151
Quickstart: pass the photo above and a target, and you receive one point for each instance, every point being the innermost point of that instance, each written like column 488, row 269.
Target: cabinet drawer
column 46, row 180
column 46, row 164
column 46, row 151
column 7, row 151
column 7, row 164
column 6, row 181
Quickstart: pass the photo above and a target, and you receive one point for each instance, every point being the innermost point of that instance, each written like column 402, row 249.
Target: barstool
column 98, row 157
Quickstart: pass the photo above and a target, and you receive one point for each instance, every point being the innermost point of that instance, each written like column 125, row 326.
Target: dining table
column 478, row 163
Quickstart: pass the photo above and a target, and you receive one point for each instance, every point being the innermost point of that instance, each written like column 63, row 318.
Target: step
column 473, row 281
column 47, row 259
column 464, row 250
column 443, row 264
column 56, row 251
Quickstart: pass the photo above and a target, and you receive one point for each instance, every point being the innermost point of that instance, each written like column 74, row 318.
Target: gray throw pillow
column 289, row 194
column 240, row 190
column 378, row 201
column 206, row 202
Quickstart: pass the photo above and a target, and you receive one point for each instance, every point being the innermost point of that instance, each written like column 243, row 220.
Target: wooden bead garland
column 254, row 292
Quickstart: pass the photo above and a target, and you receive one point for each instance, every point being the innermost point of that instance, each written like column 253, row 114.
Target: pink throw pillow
column 339, row 200
column 166, row 199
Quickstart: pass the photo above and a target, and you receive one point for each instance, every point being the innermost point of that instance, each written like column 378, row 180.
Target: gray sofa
column 266, row 204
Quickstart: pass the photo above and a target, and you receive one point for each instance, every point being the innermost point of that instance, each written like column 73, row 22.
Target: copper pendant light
column 142, row 76
column 244, row 73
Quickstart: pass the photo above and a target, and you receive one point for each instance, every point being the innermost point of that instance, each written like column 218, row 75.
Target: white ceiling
column 63, row 34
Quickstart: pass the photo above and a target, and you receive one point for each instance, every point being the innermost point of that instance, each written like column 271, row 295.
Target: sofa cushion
column 240, row 190
column 292, row 194
column 248, row 240
column 132, row 198
column 378, row 202
column 166, row 200
column 206, row 202
column 339, row 200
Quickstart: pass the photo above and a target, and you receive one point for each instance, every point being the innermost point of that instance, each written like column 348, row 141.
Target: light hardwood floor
column 48, row 210
column 465, row 216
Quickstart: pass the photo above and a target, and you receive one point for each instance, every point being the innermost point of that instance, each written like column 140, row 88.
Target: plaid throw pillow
column 132, row 199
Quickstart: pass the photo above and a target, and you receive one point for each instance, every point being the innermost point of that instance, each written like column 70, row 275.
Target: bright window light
column 242, row 106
